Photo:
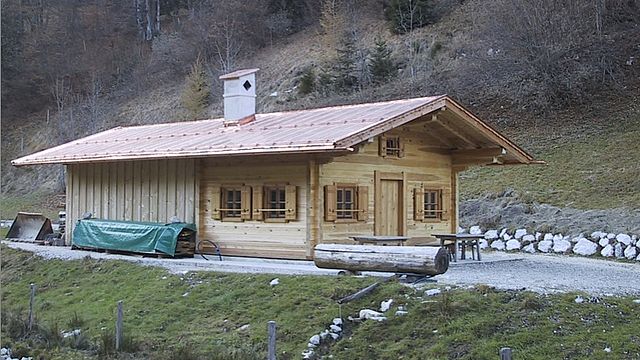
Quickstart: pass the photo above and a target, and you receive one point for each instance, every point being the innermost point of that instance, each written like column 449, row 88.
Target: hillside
column 567, row 91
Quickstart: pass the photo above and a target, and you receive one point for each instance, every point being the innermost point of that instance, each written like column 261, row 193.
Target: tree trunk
column 157, row 16
column 149, row 32
column 408, row 259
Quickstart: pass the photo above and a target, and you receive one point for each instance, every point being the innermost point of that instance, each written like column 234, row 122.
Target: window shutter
column 383, row 145
column 257, row 213
column 401, row 151
column 418, row 204
column 363, row 203
column 215, row 198
column 245, row 203
column 291, row 204
column 330, row 199
column 445, row 196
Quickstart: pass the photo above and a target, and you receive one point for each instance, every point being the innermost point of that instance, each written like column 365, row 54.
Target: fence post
column 271, row 339
column 505, row 353
column 119, row 326
column 31, row 300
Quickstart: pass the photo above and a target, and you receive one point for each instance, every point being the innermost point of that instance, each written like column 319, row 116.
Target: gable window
column 391, row 146
column 432, row 204
column 275, row 202
column 232, row 202
column 346, row 203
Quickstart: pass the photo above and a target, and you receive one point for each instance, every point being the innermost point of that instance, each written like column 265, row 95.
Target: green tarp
column 140, row 237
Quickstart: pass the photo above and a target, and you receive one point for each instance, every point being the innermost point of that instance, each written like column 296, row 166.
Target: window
column 391, row 146
column 345, row 202
column 432, row 204
column 275, row 202
column 231, row 202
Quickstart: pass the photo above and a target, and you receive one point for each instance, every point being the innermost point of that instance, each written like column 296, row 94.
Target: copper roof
column 238, row 73
column 331, row 129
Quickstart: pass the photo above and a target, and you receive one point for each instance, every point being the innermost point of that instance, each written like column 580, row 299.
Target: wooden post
column 505, row 353
column 119, row 326
column 31, row 300
column 271, row 339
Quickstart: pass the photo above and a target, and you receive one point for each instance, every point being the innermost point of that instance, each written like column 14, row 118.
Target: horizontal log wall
column 152, row 191
column 423, row 165
column 255, row 237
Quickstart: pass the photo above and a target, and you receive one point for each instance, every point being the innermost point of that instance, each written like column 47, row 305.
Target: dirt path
column 539, row 273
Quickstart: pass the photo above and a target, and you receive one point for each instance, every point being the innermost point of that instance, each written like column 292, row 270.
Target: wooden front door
column 389, row 204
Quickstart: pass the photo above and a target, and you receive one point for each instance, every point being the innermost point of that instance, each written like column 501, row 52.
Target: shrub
column 195, row 96
column 381, row 66
column 406, row 15
column 307, row 81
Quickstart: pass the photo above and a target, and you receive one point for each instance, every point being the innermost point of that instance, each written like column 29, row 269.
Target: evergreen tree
column 381, row 65
column 195, row 96
column 346, row 78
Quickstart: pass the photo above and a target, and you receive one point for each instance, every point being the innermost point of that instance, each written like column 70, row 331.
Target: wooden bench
column 462, row 241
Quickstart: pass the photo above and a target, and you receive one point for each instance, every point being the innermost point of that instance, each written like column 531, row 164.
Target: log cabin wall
column 422, row 164
column 151, row 190
column 253, row 235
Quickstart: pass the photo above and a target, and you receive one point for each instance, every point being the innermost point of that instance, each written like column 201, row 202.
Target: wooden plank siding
column 251, row 237
column 130, row 191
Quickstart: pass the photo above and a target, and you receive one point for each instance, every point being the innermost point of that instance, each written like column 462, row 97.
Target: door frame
column 378, row 176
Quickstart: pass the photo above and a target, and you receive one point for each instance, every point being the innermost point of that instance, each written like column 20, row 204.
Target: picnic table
column 380, row 239
column 463, row 240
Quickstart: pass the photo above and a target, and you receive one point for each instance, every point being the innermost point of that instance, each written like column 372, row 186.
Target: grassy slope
column 470, row 324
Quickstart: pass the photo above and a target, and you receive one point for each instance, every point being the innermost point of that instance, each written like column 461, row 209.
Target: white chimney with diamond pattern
column 239, row 96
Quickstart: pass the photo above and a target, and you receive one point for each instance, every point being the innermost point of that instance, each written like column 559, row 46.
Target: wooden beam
column 447, row 126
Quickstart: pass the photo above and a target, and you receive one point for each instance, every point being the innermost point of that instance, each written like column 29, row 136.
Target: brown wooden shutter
column 445, row 196
column 382, row 145
column 215, row 199
column 401, row 145
column 257, row 213
column 418, row 204
column 330, row 200
column 291, row 202
column 245, row 203
column 363, row 203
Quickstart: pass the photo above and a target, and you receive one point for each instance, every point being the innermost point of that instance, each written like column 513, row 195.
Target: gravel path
column 540, row 272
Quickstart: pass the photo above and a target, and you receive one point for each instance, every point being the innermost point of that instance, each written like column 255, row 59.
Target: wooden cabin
column 276, row 184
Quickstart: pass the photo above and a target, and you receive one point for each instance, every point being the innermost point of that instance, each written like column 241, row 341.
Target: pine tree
column 345, row 67
column 381, row 65
column 195, row 96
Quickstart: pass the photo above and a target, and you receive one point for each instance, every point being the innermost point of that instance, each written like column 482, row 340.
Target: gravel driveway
column 540, row 272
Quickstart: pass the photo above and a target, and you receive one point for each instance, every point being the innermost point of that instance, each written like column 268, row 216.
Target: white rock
column 520, row 233
column 630, row 252
column 597, row 235
column 475, row 230
column 274, row 282
column 545, row 245
column 502, row 232
column 334, row 336
column 432, row 292
column 337, row 321
column 561, row 246
column 636, row 301
column 638, row 258
column 71, row 333
column 483, row 244
column 513, row 245
column 529, row 248
column 558, row 237
column 607, row 251
column 385, row 305
column 528, row 238
column 311, row 346
column 603, row 241
column 548, row 236
column 579, row 300
column 607, row 349
column 497, row 244
column 4, row 351
column 244, row 327
column 185, row 294
column 506, row 237
column 538, row 235
column 491, row 234
column 401, row 312
column 315, row 340
column 307, row 354
column 461, row 230
column 585, row 247
column 371, row 314
column 624, row 238
column 335, row 328
column 324, row 334
column 618, row 251
column 611, row 236
column 164, row 278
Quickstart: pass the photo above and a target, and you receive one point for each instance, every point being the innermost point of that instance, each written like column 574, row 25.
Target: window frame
column 267, row 210
column 432, row 215
column 354, row 203
column 224, row 214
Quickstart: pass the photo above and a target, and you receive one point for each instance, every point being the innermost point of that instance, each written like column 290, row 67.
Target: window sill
column 276, row 220
column 231, row 219
column 345, row 221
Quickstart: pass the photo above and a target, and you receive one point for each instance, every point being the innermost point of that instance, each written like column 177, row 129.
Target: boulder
column 475, row 230
column 603, row 241
column 558, row 237
column 274, row 282
column 461, row 230
column 561, row 246
column 585, row 247
column 483, row 244
column 513, row 245
column 315, row 340
column 497, row 244
column 401, row 313
column 528, row 238
column 491, row 234
column 334, row 336
column 538, row 236
column 432, row 292
column 520, row 233
column 611, row 236
column 630, row 252
column 548, row 237
column 545, row 245
column 618, row 251
column 502, row 232
column 371, row 314
column 335, row 329
column 506, row 237
column 623, row 238
column 638, row 258
column 607, row 251
column 597, row 235
column 385, row 305
column 337, row 321
column 529, row 248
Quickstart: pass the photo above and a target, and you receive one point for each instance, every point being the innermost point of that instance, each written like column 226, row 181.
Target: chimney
column 239, row 97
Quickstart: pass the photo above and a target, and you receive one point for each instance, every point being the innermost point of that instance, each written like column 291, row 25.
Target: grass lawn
column 199, row 315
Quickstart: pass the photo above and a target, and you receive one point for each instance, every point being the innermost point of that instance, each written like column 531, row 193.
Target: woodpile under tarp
column 401, row 259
